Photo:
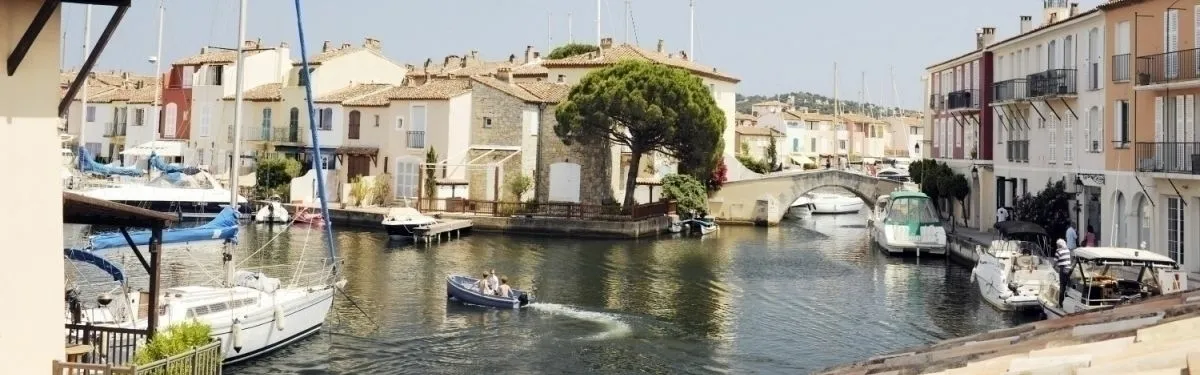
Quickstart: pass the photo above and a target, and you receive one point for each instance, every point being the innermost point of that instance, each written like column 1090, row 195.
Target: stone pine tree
column 646, row 107
column 430, row 175
column 572, row 49
column 773, row 154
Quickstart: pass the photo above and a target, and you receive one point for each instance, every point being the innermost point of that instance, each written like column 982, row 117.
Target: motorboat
column 894, row 174
column 824, row 203
column 805, row 201
column 1010, row 271
column 878, row 212
column 309, row 216
column 198, row 195
column 400, row 221
column 272, row 212
column 700, row 225
column 1108, row 276
column 909, row 223
column 464, row 289
column 222, row 227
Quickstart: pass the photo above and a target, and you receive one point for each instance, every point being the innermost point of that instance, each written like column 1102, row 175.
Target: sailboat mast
column 598, row 32
column 237, row 137
column 692, row 30
column 316, row 142
column 162, row 11
column 83, row 94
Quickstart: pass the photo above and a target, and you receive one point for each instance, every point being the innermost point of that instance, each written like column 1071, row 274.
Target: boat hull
column 879, row 237
column 273, row 212
column 459, row 288
column 260, row 334
column 186, row 209
column 401, row 230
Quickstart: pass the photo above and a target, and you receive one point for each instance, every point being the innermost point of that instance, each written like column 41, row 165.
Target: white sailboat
column 252, row 314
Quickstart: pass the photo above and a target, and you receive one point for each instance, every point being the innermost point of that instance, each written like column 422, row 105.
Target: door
column 406, row 178
column 169, row 120
column 357, row 166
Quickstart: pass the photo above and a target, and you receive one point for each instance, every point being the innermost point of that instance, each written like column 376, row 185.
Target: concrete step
column 1052, row 365
column 1177, row 330
column 1144, row 348
column 1174, row 358
column 1097, row 349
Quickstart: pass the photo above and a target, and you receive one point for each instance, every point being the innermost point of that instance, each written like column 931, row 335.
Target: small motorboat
column 308, row 216
column 702, row 225
column 823, row 203
column 272, row 212
column 464, row 289
column 401, row 221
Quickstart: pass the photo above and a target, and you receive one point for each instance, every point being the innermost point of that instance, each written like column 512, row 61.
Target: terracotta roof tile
column 436, row 90
column 262, row 93
column 351, row 92
column 216, row 55
column 811, row 116
column 617, row 53
column 531, row 69
column 548, row 92
column 772, row 103
column 754, row 130
column 508, row 88
column 745, row 116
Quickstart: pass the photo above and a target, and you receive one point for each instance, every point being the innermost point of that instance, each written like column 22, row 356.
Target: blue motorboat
column 222, row 227
column 463, row 289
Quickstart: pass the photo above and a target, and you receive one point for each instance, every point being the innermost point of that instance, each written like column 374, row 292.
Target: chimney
column 250, row 44
column 536, row 55
column 283, row 45
column 451, row 60
column 1026, row 24
column 474, row 54
column 606, row 43
column 512, row 59
column 528, row 54
column 345, row 46
column 562, row 78
column 989, row 36
column 326, row 46
column 427, row 63
column 372, row 44
column 1074, row 9
column 683, row 55
column 661, row 46
column 1053, row 18
column 504, row 74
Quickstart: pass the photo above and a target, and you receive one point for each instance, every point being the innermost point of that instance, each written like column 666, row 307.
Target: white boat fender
column 278, row 318
column 973, row 269
column 235, row 333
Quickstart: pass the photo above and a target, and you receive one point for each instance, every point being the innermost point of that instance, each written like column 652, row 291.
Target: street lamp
column 975, row 172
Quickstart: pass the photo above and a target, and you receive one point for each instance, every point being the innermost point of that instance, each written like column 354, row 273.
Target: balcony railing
column 416, row 139
column 1010, row 90
column 286, row 135
column 1168, row 67
column 1018, row 151
column 963, row 99
column 1053, row 82
column 1120, row 67
column 937, row 102
column 1168, row 157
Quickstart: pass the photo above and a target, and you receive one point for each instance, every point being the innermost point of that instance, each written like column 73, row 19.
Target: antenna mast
column 570, row 30
column 628, row 16
column 692, row 30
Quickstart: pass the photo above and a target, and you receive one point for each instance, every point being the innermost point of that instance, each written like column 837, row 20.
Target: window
column 1068, row 53
column 1121, row 124
column 1171, row 42
column 377, row 121
column 215, row 74
column 487, row 122
column 407, row 179
column 1123, row 36
column 355, row 119
column 841, row 145
column 399, row 123
column 303, row 78
column 91, row 113
column 795, row 145
column 1052, row 55
column 416, row 136
column 1068, row 139
column 1041, row 59
column 1052, row 129
column 1095, row 130
column 1093, row 59
column 139, row 117
column 266, row 124
column 169, row 120
column 205, row 120
column 293, row 124
column 1175, row 232
column 812, row 143
column 326, row 122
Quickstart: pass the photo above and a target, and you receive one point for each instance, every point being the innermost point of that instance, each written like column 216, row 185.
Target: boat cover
column 222, row 227
column 88, row 164
column 98, row 261
column 160, row 165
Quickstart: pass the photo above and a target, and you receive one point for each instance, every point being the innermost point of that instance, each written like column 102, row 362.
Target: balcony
column 1168, row 157
column 1018, row 151
column 963, row 100
column 1120, row 68
column 416, row 139
column 937, row 102
column 1178, row 66
column 1009, row 91
column 285, row 135
column 1051, row 83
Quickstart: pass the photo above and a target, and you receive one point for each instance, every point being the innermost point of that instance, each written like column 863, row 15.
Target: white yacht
column 199, row 195
column 908, row 224
column 825, row 203
column 400, row 221
column 1011, row 271
column 1108, row 276
column 272, row 212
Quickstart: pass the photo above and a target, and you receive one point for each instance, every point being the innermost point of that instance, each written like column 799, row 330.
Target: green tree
column 646, row 107
column 568, row 50
column 275, row 173
column 431, row 159
column 687, row 192
column 772, row 157
column 955, row 187
column 176, row 340
column 518, row 184
column 1050, row 208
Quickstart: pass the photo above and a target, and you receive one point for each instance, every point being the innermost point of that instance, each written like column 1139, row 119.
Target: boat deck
column 449, row 228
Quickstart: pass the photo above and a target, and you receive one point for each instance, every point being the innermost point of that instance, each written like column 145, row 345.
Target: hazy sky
column 774, row 46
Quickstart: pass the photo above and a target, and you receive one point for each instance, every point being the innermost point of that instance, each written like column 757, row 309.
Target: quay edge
column 370, row 217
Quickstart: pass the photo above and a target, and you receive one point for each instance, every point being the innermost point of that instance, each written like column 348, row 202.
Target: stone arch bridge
column 764, row 200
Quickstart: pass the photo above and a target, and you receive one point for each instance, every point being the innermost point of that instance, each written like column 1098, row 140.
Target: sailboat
column 251, row 313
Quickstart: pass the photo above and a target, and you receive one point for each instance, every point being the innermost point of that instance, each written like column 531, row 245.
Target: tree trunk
column 635, row 161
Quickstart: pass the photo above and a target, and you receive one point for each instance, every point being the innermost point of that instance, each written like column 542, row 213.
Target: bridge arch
column 765, row 200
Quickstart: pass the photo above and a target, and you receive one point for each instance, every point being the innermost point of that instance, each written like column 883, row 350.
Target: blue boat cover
column 222, row 227
column 98, row 261
column 87, row 163
column 160, row 165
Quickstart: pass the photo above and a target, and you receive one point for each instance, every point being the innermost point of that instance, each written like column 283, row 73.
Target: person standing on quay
column 1063, row 264
column 1072, row 237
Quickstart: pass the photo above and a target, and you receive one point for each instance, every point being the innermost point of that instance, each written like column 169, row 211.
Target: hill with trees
column 819, row 103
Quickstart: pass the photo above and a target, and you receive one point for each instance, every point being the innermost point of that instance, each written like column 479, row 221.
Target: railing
column 416, row 139
column 548, row 209
column 205, row 360
column 1018, row 151
column 963, row 99
column 1168, row 67
column 1052, row 82
column 1120, row 67
column 109, row 345
column 1010, row 90
column 1168, row 157
column 937, row 102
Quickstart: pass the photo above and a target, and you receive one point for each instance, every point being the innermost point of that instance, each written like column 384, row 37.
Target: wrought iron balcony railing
column 1009, row 90
column 1168, row 67
column 1053, row 82
column 1120, row 67
column 1167, row 157
column 286, row 135
column 416, row 139
column 962, row 99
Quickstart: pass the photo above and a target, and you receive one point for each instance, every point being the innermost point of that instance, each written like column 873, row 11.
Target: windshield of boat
column 1107, row 283
column 906, row 210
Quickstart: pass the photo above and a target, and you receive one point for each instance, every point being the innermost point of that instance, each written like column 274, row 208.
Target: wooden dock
column 450, row 229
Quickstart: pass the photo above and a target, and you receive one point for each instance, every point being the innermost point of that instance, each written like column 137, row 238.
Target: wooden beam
column 133, row 246
column 114, row 3
column 31, row 33
column 155, row 268
column 86, row 69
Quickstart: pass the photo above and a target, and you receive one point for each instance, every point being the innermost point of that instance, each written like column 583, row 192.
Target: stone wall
column 503, row 109
column 765, row 200
column 593, row 158
column 479, row 185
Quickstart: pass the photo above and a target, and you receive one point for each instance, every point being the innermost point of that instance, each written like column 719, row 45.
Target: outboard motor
column 523, row 299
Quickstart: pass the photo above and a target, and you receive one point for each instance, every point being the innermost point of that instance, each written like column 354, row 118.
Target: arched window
column 355, row 124
column 1069, row 53
column 293, row 124
column 1093, row 59
column 1052, row 55
column 1095, row 130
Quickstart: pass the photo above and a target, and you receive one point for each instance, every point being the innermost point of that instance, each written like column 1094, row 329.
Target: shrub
column 689, row 194
column 754, row 165
column 383, row 190
column 359, row 190
column 610, row 206
column 176, row 340
column 517, row 186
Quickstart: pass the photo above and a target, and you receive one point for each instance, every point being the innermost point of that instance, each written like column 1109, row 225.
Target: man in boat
column 504, row 290
column 493, row 282
column 483, row 285
column 1063, row 264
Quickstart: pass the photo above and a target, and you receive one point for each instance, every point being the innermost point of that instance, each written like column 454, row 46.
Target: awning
column 802, row 160
column 162, row 148
column 358, row 150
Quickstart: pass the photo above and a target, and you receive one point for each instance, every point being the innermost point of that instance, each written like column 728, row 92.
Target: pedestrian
column 1063, row 263
column 1001, row 215
column 1089, row 238
column 1072, row 236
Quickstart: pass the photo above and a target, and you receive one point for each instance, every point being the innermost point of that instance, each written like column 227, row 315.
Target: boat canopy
column 157, row 162
column 1019, row 227
column 1123, row 256
column 98, row 261
column 911, row 208
column 88, row 164
column 222, row 227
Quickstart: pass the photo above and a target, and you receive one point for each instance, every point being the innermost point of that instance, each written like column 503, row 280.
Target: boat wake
column 614, row 327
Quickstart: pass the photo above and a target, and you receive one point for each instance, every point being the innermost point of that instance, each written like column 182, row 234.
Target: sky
column 774, row 46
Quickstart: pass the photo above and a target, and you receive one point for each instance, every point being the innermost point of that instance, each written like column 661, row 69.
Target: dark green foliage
column 274, row 174
column 568, row 50
column 689, row 195
column 754, row 165
column 820, row 104
column 430, row 175
column 940, row 182
column 646, row 107
column 772, row 157
column 1050, row 208
column 177, row 339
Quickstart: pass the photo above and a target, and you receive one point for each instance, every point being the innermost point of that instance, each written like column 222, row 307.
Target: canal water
column 796, row 298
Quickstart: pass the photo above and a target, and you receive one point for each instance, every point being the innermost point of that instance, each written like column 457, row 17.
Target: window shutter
column 1196, row 36
column 1177, row 136
column 1158, row 119
column 1099, row 128
column 1189, row 119
column 1053, row 130
column 1068, row 140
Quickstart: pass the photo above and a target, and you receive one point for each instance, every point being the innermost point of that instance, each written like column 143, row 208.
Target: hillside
column 817, row 103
